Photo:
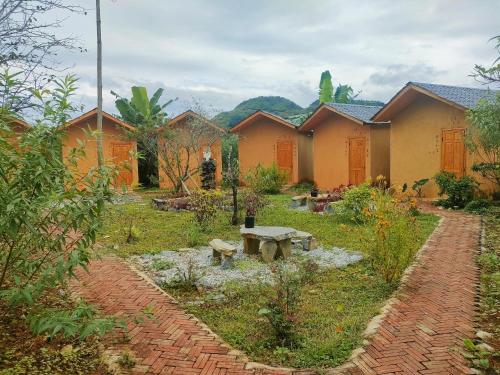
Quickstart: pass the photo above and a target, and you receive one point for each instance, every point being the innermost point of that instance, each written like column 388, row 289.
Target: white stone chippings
column 246, row 269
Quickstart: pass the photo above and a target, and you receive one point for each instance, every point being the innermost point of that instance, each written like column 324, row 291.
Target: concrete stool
column 223, row 253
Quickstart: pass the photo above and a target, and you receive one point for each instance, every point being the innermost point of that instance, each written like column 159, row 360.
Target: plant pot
column 249, row 221
column 314, row 193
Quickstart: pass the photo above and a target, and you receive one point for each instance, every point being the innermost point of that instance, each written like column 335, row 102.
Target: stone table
column 268, row 242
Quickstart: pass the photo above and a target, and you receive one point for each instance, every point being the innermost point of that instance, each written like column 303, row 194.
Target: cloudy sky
column 221, row 52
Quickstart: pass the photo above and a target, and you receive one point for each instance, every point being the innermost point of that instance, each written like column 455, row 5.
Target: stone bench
column 223, row 253
column 268, row 242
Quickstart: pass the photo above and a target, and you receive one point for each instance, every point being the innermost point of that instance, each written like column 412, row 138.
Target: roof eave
column 411, row 86
column 247, row 121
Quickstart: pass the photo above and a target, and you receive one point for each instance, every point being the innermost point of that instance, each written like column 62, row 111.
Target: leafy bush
column 478, row 206
column 354, row 204
column 50, row 217
column 281, row 309
column 205, row 204
column 267, row 180
column 419, row 185
column 394, row 228
column 80, row 322
column 459, row 191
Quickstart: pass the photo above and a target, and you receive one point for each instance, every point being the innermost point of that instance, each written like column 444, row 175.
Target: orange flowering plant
column 391, row 218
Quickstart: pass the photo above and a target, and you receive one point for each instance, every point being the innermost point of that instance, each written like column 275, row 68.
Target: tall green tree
column 325, row 87
column 147, row 115
column 483, row 138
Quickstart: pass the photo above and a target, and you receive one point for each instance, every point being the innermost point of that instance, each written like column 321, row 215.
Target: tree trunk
column 100, row 152
column 234, row 188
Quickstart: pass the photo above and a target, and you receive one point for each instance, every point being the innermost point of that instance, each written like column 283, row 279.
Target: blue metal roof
column 358, row 111
column 466, row 97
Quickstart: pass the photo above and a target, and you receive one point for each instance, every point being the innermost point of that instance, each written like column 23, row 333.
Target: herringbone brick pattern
column 433, row 314
column 436, row 309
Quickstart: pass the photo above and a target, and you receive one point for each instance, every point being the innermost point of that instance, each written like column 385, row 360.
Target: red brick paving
column 419, row 335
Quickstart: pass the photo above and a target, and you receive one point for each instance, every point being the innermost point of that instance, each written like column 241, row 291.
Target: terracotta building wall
column 305, row 152
column 416, row 142
column 380, row 150
column 257, row 145
column 331, row 150
column 112, row 135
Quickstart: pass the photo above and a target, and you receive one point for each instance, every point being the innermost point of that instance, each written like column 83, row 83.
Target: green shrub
column 267, row 180
column 478, row 206
column 194, row 237
column 205, row 204
column 187, row 278
column 459, row 191
column 80, row 322
column 354, row 204
column 49, row 217
column 392, row 248
column 281, row 309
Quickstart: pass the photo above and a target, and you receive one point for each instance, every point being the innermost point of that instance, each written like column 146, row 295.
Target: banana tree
column 147, row 115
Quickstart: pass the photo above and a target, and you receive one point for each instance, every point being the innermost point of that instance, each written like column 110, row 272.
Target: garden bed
column 335, row 305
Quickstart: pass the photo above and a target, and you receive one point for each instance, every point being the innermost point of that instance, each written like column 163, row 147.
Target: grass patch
column 334, row 311
column 163, row 230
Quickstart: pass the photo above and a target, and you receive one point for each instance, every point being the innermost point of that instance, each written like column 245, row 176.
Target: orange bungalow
column 119, row 148
column 265, row 139
column 198, row 136
column 348, row 148
column 428, row 124
column 17, row 127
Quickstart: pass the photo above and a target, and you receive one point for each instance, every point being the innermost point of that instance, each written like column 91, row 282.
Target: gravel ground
column 165, row 266
column 126, row 198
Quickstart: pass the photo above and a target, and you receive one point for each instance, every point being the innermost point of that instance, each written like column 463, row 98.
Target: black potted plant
column 253, row 201
column 314, row 191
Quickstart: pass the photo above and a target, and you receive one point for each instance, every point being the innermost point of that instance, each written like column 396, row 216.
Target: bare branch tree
column 181, row 147
column 29, row 44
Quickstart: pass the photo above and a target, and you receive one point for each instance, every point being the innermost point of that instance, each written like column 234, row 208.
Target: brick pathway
column 420, row 334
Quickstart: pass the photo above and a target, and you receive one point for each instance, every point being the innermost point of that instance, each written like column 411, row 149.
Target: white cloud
column 226, row 51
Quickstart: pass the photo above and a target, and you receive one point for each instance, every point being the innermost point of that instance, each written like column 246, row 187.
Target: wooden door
column 453, row 151
column 357, row 161
column 284, row 156
column 123, row 160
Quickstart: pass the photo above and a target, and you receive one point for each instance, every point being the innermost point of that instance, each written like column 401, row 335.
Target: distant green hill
column 276, row 105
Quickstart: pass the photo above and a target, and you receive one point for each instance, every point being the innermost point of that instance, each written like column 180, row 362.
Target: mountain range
column 276, row 105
